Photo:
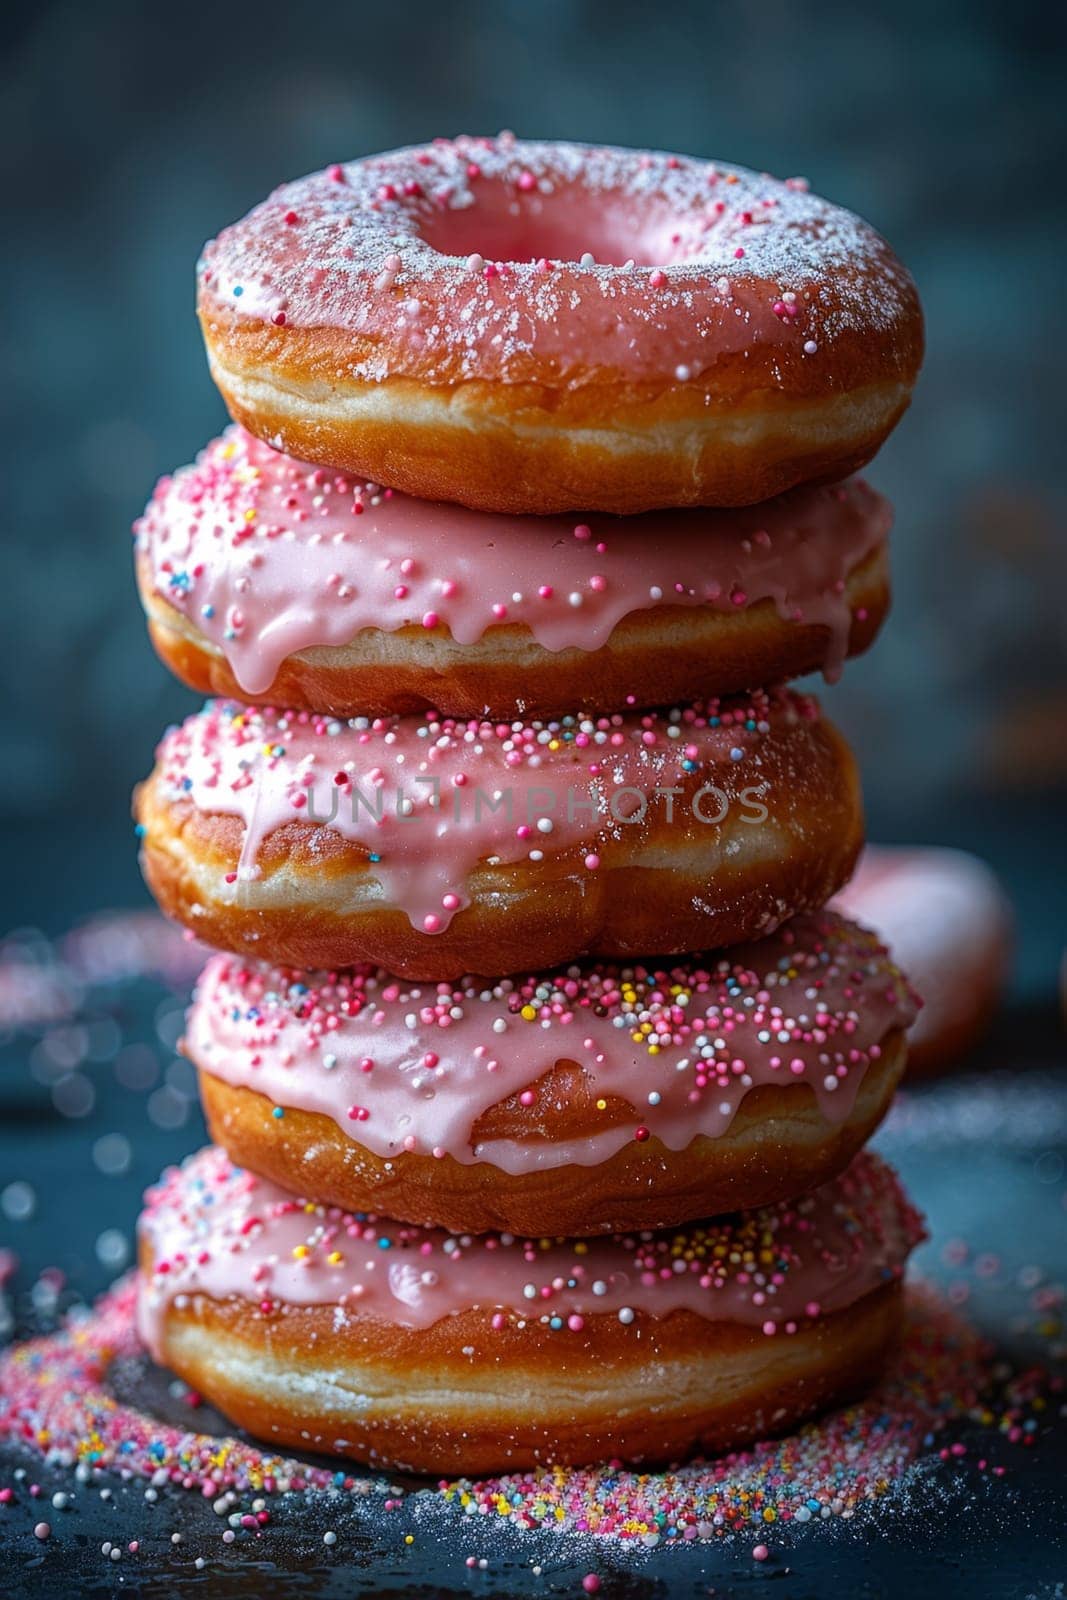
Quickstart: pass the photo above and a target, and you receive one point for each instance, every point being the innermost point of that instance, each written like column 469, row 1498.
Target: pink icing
column 412, row 1067
column 577, row 784
column 475, row 258
column 216, row 1230
column 268, row 556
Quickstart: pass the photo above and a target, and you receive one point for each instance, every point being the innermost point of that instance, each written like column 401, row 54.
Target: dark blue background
column 132, row 132
column 129, row 133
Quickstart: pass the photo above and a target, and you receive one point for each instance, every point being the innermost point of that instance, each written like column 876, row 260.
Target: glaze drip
column 430, row 799
column 214, row 1229
column 267, row 556
column 412, row 1067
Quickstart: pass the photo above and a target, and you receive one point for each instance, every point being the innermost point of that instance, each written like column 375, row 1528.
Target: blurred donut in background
column 948, row 919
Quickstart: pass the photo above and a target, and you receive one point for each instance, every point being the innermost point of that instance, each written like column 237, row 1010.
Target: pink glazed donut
column 536, row 327
column 435, row 847
column 356, row 1336
column 276, row 582
column 949, row 921
column 570, row 1102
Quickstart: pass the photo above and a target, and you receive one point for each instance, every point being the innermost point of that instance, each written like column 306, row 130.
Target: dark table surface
column 96, row 1103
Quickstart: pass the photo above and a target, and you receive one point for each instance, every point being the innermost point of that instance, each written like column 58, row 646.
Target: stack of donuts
column 538, row 1073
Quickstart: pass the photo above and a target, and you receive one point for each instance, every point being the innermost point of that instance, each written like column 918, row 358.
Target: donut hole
column 505, row 225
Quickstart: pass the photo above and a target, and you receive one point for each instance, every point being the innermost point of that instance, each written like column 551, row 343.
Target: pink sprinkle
column 738, row 253
column 658, row 279
column 431, row 922
column 591, row 1583
column 760, row 1553
column 592, row 862
column 430, row 619
column 583, row 531
column 527, row 181
column 336, row 173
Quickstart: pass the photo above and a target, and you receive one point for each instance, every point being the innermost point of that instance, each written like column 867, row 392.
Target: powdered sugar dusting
column 487, row 253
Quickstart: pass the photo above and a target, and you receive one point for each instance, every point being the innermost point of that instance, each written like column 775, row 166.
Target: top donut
column 528, row 327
